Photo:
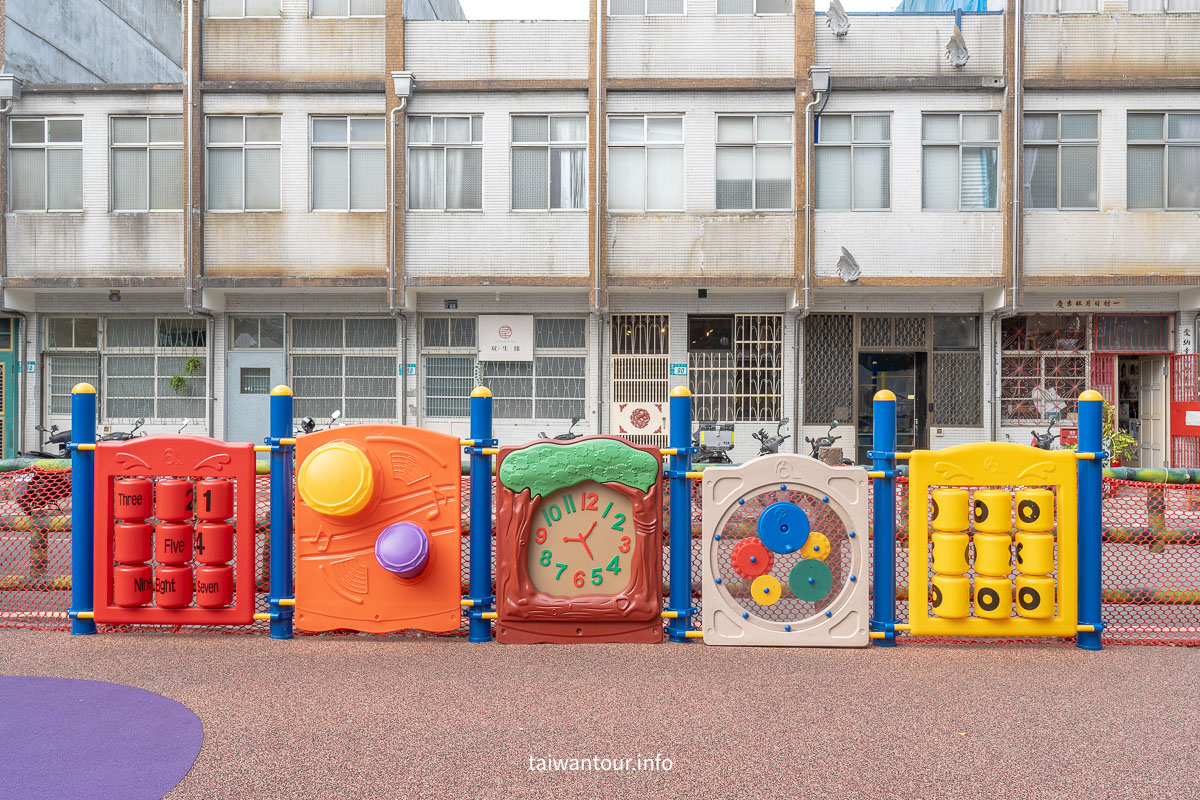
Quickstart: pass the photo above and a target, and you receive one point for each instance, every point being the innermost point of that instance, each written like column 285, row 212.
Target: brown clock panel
column 579, row 542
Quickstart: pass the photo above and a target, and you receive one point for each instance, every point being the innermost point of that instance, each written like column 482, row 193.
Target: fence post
column 480, row 586
column 83, row 506
column 282, row 499
column 680, row 514
column 883, row 448
column 1090, row 472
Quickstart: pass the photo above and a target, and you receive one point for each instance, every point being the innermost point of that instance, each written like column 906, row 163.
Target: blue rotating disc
column 783, row 527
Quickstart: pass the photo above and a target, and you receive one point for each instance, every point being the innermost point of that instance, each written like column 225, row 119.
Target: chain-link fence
column 1151, row 557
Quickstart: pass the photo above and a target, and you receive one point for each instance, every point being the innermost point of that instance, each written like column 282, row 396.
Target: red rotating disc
column 751, row 558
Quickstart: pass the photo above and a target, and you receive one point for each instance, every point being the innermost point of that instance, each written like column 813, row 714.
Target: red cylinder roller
column 131, row 542
column 214, row 542
column 173, row 543
column 173, row 500
column 132, row 499
column 132, row 586
column 214, row 586
column 214, row 499
column 173, row 587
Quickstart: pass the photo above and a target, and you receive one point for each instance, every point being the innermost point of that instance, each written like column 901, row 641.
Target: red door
column 1185, row 411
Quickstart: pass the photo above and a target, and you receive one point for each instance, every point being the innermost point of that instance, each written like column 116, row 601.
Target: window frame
column 754, row 146
column 474, row 144
column 148, row 146
column 243, row 146
column 277, row 15
column 1084, row 354
column 1165, row 142
column 705, row 369
column 231, row 333
column 1059, row 143
column 343, row 352
column 347, row 15
column 757, row 13
column 646, row 145
column 348, row 145
column 45, row 145
column 852, row 145
column 608, row 9
column 960, row 143
column 549, row 146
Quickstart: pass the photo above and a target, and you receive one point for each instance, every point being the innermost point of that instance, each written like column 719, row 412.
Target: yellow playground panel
column 972, row 492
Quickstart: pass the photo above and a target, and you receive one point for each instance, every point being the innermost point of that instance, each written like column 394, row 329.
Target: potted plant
column 178, row 383
column 1117, row 443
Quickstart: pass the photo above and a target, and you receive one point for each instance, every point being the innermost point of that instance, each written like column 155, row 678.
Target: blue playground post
column 282, row 460
column 83, row 495
column 1091, row 409
column 680, row 514
column 883, row 449
column 480, row 587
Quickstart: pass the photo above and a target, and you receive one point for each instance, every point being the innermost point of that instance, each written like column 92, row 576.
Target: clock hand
column 582, row 539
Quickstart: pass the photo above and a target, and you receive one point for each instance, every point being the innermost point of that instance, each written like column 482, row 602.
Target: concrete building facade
column 583, row 214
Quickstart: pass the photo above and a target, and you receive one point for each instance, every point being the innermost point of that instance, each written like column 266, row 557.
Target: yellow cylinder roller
column 1035, row 553
column 993, row 597
column 992, row 511
column 950, row 553
column 1035, row 597
column 993, row 554
column 950, row 596
column 1035, row 509
column 948, row 509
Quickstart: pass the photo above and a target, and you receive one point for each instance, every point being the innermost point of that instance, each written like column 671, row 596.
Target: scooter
column 769, row 445
column 308, row 424
column 564, row 437
column 1045, row 441
column 825, row 441
column 56, row 437
column 712, row 449
column 122, row 436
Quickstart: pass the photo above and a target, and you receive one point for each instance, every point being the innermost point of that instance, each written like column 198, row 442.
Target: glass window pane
column 530, row 129
column 568, row 178
column 664, row 6
column 65, row 131
column 64, row 177
column 1041, row 177
column 262, row 179
column 166, row 130
column 872, row 128
column 58, row 332
column 330, row 179
column 245, row 333
column 1079, row 126
column 439, row 129
column 86, row 332
column 735, row 6
column 775, row 129
column 1183, row 177
column 1183, row 126
column 477, row 129
column 464, row 179
column 367, row 130
column 627, row 178
column 1144, row 177
column 735, row 129
column 262, row 8
column 225, row 130
column 224, row 8
column 130, row 332
column 664, row 129
column 328, row 130
column 376, row 332
column 872, row 176
column 626, row 7
column 458, row 129
column 28, row 179
column 368, row 180
column 367, row 8
column 774, row 6
column 980, row 127
column 418, row 129
column 735, row 172
column 568, row 129
column 626, row 129
column 1078, row 177
column 773, row 178
column 664, row 179
column 939, row 178
column 833, row 177
column 28, row 131
column 436, row 332
column 1041, row 127
column 559, row 332
column 529, row 166
column 129, row 179
column 833, row 129
column 316, row 333
column 426, row 175
column 462, row 332
column 939, row 127
column 270, row 332
column 262, row 129
column 1144, row 126
column 166, row 180
column 225, row 179
column 329, row 8
column 129, row 130
column 979, row 178
column 955, row 332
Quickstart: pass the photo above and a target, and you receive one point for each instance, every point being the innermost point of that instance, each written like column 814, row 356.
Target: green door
column 8, row 386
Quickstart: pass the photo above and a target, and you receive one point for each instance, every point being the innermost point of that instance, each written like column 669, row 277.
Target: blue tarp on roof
column 918, row 6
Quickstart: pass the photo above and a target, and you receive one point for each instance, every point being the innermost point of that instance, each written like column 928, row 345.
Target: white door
column 1152, row 408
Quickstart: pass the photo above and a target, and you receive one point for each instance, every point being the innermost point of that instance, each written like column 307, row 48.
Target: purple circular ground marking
column 403, row 549
column 62, row 737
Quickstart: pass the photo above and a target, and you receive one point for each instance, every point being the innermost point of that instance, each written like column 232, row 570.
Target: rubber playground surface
column 360, row 717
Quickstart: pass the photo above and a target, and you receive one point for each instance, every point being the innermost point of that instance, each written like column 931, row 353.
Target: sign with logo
column 679, row 370
column 505, row 337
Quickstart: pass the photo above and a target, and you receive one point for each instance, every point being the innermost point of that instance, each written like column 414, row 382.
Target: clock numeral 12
column 589, row 502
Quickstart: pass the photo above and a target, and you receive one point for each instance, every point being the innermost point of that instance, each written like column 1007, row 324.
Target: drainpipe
column 596, row 243
column 392, row 207
column 821, row 85
column 1018, row 140
column 12, row 87
column 188, row 208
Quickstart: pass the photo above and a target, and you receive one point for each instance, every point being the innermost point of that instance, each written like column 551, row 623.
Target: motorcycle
column 122, row 436
column 826, row 441
column 56, row 437
column 768, row 444
column 1045, row 441
column 564, row 437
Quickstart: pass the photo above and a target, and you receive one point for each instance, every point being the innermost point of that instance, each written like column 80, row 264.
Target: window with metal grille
column 1133, row 333
column 348, row 167
column 146, row 169
column 1061, row 6
column 1161, row 6
column 735, row 367
column 748, row 7
column 256, row 333
column 242, row 8
column 645, row 163
column 639, row 8
column 959, row 168
column 829, row 369
column 1163, row 161
column 45, row 160
column 6, row 333
column 639, row 353
column 1060, row 160
column 347, row 8
column 445, row 163
column 345, row 364
column 956, row 377
column 155, row 368
column 549, row 170
column 754, row 162
column 853, row 162
column 243, row 163
column 1044, row 363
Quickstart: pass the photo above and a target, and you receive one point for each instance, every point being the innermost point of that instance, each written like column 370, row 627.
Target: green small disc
column 810, row 580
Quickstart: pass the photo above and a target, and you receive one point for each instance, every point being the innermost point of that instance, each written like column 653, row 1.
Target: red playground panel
column 171, row 498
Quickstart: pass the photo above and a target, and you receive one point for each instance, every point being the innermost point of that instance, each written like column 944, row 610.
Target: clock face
column 582, row 542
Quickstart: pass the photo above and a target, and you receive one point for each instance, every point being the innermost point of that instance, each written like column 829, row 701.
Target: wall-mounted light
column 10, row 92
column 402, row 83
column 114, row 295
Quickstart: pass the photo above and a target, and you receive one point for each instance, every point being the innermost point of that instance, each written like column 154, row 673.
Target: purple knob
column 403, row 549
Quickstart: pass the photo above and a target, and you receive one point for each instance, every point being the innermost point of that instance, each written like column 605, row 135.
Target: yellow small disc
column 337, row 479
column 816, row 547
column 766, row 590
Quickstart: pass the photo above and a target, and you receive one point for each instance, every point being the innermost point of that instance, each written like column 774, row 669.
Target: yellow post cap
column 1091, row 394
column 281, row 389
column 681, row 391
column 337, row 480
column 83, row 388
column 885, row 394
column 481, row 391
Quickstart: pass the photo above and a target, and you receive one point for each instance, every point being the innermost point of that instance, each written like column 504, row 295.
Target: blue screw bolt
column 741, row 502
column 766, row 590
column 783, row 528
column 816, row 548
column 824, row 499
column 812, row 580
column 853, row 578
column 787, row 627
column 718, row 580
column 717, row 537
column 753, row 559
column 745, row 615
column 829, row 613
column 783, row 488
column 851, row 534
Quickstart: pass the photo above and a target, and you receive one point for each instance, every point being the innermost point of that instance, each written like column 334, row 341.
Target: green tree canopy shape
column 546, row 468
